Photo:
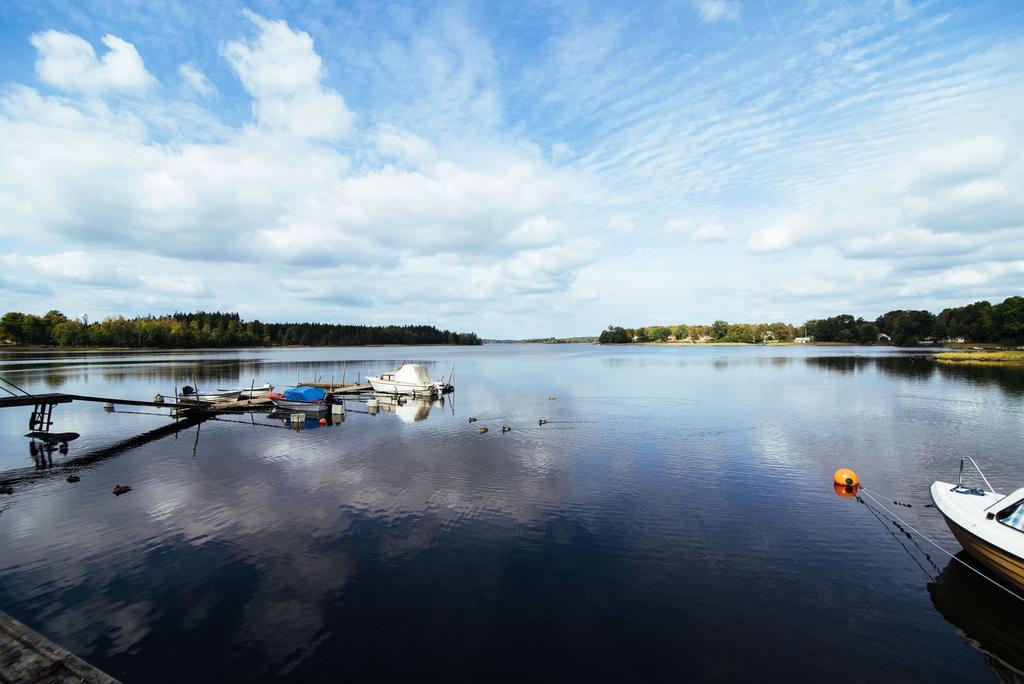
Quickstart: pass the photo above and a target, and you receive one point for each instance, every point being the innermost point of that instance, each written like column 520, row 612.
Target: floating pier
column 27, row 656
column 338, row 388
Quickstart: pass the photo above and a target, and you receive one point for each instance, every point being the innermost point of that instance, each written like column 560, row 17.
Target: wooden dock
column 27, row 656
column 259, row 403
column 256, row 403
column 338, row 388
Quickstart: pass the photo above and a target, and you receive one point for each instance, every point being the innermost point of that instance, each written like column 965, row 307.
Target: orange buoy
column 845, row 477
column 323, row 421
column 844, row 490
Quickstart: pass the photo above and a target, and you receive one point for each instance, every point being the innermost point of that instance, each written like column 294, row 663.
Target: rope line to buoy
column 898, row 503
column 943, row 549
column 905, row 533
column 874, row 512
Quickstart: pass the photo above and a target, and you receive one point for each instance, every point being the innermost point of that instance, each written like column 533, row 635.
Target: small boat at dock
column 191, row 396
column 411, row 378
column 251, row 392
column 988, row 525
column 307, row 399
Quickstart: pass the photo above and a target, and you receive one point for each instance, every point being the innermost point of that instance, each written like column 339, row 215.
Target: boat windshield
column 1013, row 516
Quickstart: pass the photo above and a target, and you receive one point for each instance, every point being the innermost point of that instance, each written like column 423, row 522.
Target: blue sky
column 516, row 169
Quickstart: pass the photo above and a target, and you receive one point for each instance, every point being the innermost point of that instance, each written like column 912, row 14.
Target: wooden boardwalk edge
column 27, row 656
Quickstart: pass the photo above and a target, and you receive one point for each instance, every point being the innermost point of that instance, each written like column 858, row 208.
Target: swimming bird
column 483, row 430
column 472, row 420
column 73, row 478
column 121, row 489
column 541, row 421
column 506, row 428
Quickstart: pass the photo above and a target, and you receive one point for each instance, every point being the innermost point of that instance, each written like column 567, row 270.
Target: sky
column 513, row 169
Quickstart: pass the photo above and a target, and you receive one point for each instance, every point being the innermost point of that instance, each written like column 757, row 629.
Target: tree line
column 719, row 331
column 206, row 329
column 979, row 322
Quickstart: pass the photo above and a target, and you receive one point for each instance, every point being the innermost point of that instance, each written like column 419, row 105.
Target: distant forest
column 979, row 322
column 202, row 329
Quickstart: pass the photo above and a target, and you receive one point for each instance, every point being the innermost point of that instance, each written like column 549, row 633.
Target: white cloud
column 549, row 269
column 68, row 62
column 536, row 231
column 975, row 277
column 404, row 145
column 714, row 11
column 284, row 74
column 273, row 196
column 560, row 151
column 196, row 80
column 702, row 232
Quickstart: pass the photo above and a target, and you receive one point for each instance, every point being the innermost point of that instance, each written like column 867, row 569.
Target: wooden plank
column 239, row 404
column 27, row 656
column 352, row 389
column 338, row 387
column 56, row 398
column 129, row 402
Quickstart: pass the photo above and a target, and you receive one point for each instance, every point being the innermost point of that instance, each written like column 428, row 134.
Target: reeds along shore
column 983, row 358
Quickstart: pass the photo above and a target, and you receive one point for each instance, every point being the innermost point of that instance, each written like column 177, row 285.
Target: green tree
column 12, row 326
column 1008, row 320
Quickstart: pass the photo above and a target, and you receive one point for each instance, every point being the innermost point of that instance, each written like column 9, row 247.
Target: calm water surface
column 674, row 518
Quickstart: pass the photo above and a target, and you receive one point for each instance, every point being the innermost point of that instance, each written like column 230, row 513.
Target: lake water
column 675, row 518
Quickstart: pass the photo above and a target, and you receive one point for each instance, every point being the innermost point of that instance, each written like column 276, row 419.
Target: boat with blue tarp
column 303, row 398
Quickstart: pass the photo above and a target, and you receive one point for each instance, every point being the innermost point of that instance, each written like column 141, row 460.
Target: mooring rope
column 883, row 519
column 898, row 503
column 941, row 548
column 6, row 381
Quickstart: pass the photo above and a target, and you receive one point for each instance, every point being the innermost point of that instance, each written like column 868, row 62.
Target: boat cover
column 304, row 394
column 413, row 374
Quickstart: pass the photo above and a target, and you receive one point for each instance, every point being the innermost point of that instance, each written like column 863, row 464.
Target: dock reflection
column 290, row 419
column 408, row 409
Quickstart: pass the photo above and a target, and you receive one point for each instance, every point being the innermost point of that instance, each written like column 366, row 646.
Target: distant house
column 636, row 338
column 954, row 340
column 803, row 340
column 882, row 337
column 671, row 338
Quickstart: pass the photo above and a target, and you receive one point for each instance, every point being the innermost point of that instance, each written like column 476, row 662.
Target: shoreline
column 30, row 347
column 740, row 344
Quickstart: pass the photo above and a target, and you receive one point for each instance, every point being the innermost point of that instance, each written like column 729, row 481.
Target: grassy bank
column 983, row 358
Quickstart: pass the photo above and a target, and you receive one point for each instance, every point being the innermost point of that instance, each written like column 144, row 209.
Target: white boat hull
column 251, row 392
column 391, row 387
column 207, row 397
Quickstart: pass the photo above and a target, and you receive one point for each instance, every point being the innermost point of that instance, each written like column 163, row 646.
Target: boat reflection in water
column 985, row 615
column 310, row 420
column 408, row 409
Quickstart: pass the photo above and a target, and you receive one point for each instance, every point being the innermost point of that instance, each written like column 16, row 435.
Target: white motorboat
column 190, row 396
column 988, row 525
column 251, row 392
column 411, row 378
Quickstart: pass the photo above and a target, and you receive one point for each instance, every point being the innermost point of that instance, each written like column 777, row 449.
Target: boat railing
column 960, row 479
